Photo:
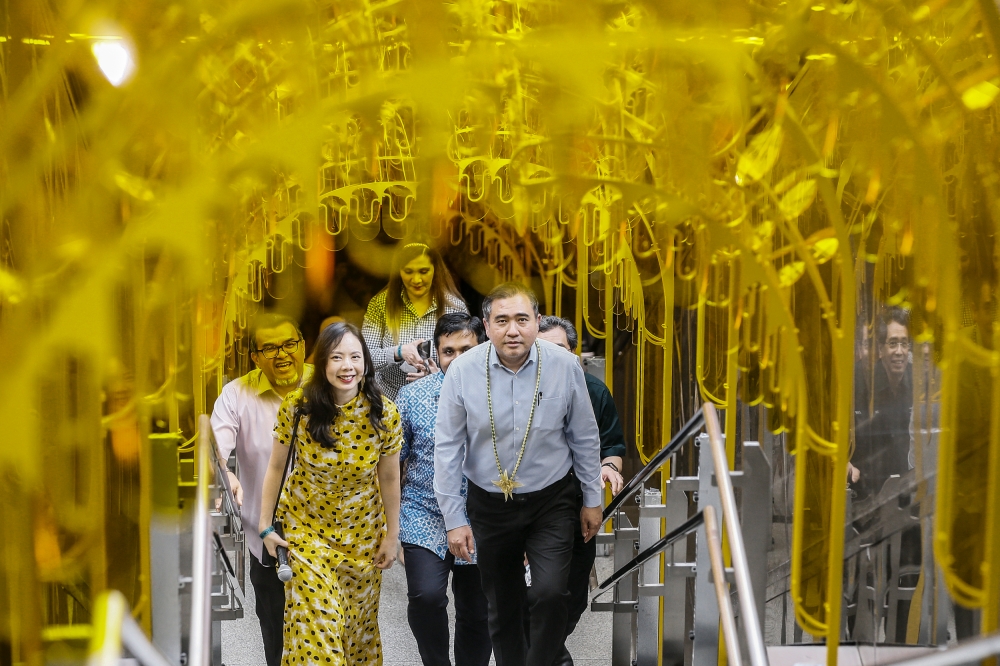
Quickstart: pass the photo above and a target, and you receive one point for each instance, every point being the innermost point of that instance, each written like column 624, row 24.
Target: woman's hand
column 272, row 541
column 386, row 555
column 411, row 356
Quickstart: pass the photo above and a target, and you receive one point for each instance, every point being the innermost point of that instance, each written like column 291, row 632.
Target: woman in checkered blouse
column 404, row 314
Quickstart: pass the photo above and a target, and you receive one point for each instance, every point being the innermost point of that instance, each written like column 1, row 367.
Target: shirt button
column 516, row 428
column 517, row 402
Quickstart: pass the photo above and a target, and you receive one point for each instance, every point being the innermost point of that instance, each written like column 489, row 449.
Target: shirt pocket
column 550, row 414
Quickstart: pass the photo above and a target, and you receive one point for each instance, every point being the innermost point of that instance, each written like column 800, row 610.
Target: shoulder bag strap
column 289, row 461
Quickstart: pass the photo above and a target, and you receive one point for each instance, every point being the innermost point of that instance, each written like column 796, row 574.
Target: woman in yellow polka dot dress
column 339, row 506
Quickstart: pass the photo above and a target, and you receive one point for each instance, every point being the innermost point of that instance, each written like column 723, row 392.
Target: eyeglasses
column 271, row 351
column 893, row 343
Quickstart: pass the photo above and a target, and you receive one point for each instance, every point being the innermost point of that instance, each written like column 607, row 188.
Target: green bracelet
column 399, row 352
column 270, row 528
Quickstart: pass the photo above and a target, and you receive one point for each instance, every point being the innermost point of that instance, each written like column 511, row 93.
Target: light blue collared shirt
column 563, row 434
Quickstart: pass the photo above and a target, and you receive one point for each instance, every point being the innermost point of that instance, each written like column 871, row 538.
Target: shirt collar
column 264, row 385
column 495, row 360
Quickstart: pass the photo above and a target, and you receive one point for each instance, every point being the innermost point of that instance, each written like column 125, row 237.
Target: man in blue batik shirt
column 421, row 526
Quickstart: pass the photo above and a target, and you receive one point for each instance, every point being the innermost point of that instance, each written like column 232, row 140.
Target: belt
column 523, row 497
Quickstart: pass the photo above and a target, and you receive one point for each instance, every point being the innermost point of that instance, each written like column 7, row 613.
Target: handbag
column 266, row 559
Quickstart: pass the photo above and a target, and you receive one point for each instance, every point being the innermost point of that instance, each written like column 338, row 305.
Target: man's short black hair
column 508, row 290
column 270, row 320
column 887, row 316
column 551, row 321
column 456, row 322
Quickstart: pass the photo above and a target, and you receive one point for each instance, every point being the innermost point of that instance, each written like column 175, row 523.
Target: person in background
column 339, row 505
column 421, row 525
column 243, row 420
column 561, row 332
column 515, row 417
column 401, row 316
column 882, row 413
column 326, row 322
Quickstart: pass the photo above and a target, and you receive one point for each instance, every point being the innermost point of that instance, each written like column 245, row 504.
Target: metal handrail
column 690, row 525
column 200, row 645
column 222, row 472
column 114, row 628
column 967, row 652
column 235, row 518
column 106, row 640
column 726, row 617
column 139, row 646
column 741, row 570
column 687, row 431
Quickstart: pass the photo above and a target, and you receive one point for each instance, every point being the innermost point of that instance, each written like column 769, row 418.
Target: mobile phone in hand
column 424, row 349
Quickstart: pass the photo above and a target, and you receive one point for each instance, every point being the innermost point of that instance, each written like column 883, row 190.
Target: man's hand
column 234, row 483
column 853, row 473
column 237, row 489
column 590, row 522
column 461, row 544
column 608, row 475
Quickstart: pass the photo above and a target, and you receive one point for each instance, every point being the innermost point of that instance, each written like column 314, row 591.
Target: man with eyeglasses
column 243, row 419
column 883, row 402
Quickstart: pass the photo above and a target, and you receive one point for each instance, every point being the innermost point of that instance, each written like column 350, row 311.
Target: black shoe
column 563, row 658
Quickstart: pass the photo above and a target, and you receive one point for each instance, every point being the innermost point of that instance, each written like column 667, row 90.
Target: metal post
column 623, row 620
column 756, row 519
column 676, row 570
column 202, row 555
column 705, row 651
column 748, row 607
column 165, row 531
column 647, row 629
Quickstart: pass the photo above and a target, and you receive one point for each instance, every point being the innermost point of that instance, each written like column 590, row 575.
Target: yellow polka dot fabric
column 334, row 521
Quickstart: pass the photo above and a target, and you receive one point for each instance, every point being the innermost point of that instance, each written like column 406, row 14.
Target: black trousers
column 540, row 525
column 269, row 593
column 584, row 556
column 427, row 610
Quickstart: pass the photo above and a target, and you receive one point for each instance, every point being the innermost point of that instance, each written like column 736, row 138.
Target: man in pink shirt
column 243, row 419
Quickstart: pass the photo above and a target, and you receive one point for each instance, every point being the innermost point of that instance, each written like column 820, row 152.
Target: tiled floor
column 590, row 644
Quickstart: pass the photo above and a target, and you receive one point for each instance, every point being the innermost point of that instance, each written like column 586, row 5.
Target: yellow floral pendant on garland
column 506, row 484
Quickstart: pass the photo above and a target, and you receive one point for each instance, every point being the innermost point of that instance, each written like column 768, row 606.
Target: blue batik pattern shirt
column 420, row 519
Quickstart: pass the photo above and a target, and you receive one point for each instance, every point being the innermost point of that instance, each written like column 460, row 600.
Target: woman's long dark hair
column 442, row 287
column 318, row 394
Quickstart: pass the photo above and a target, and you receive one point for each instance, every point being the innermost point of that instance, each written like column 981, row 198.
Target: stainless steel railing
column 731, row 519
column 114, row 629
column 232, row 534
column 687, row 431
column 750, row 620
column 689, row 526
column 202, row 550
column 726, row 617
column 213, row 577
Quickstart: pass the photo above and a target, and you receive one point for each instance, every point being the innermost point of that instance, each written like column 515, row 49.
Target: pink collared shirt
column 243, row 419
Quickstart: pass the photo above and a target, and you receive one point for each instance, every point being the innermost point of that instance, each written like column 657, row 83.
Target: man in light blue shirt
column 515, row 418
